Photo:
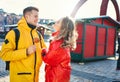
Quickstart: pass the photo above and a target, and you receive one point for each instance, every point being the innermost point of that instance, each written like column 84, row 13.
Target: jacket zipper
column 34, row 57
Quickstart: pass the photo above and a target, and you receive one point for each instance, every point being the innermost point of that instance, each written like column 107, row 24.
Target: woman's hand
column 44, row 52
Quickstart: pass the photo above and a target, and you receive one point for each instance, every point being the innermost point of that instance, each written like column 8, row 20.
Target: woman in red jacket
column 57, row 58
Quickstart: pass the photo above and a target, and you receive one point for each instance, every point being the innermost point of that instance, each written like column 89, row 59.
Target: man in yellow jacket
column 26, row 60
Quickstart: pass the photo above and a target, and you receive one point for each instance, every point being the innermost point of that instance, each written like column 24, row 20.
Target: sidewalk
column 98, row 71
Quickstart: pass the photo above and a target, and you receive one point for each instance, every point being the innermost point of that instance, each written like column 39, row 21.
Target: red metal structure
column 104, row 5
column 103, row 8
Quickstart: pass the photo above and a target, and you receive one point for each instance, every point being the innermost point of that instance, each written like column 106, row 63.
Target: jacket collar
column 55, row 33
column 31, row 26
column 23, row 24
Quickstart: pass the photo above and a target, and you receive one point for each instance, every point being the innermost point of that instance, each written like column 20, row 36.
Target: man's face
column 32, row 17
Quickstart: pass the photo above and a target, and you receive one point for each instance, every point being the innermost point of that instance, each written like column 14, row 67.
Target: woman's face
column 57, row 25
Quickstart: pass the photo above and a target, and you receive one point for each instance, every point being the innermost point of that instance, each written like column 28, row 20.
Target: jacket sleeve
column 8, row 52
column 54, row 57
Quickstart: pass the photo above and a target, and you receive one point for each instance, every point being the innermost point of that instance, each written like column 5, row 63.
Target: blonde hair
column 68, row 33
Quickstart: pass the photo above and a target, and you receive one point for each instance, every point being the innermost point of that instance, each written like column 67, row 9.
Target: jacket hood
column 23, row 24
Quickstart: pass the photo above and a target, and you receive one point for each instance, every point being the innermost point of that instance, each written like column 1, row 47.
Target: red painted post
column 103, row 9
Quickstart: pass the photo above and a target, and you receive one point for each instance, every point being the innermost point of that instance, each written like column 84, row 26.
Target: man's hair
column 29, row 9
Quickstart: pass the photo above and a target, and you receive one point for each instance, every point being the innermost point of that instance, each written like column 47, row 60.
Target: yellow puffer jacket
column 23, row 68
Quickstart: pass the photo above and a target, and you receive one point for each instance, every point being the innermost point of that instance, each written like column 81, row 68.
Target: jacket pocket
column 24, row 73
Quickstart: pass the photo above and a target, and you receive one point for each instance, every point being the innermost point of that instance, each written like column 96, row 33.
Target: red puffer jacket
column 57, row 63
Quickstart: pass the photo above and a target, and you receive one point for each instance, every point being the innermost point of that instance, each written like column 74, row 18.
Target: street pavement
column 96, row 71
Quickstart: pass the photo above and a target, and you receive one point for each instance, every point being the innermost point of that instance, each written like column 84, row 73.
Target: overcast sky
column 57, row 8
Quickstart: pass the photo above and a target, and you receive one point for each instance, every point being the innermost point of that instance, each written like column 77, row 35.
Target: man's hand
column 31, row 49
